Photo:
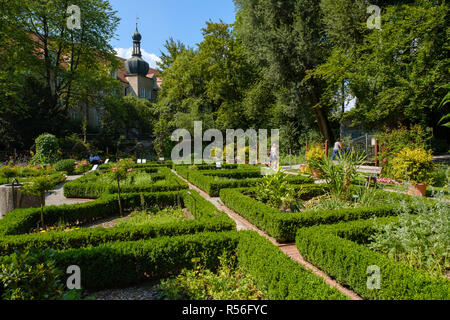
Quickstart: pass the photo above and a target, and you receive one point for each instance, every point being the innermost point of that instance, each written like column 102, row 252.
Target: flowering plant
column 413, row 164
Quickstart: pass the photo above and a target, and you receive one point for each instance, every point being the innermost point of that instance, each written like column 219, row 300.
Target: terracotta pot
column 418, row 190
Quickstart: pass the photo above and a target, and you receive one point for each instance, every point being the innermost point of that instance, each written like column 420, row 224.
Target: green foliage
column 119, row 264
column 391, row 142
column 341, row 251
column 95, row 184
column 47, row 147
column 200, row 283
column 283, row 225
column 314, row 156
column 444, row 102
column 39, row 186
column 31, row 275
column 152, row 216
column 441, row 176
column 18, row 224
column 340, row 176
column 65, row 166
column 9, row 172
column 415, row 165
column 82, row 166
column 396, row 73
column 73, row 146
column 421, row 240
column 212, row 181
column 276, row 191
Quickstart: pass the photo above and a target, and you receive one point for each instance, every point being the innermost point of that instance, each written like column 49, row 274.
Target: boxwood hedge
column 119, row 264
column 283, row 225
column 339, row 251
column 210, row 180
column 88, row 188
column 14, row 227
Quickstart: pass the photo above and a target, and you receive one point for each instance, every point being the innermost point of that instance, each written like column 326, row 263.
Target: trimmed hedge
column 283, row 225
column 280, row 277
column 21, row 221
column 148, row 165
column 204, row 179
column 87, row 188
column 120, row 264
column 337, row 250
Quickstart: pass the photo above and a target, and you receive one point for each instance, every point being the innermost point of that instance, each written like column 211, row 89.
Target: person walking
column 274, row 157
column 337, row 149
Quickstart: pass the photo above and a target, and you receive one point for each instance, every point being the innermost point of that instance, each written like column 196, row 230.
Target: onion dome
column 136, row 65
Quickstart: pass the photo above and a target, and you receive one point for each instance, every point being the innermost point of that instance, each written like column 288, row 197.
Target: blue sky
column 161, row 19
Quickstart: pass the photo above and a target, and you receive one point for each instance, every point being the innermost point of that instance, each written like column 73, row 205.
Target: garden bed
column 342, row 251
column 95, row 184
column 283, row 225
column 213, row 180
column 123, row 264
column 15, row 226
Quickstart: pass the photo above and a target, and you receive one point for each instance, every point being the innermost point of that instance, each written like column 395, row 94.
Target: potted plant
column 314, row 157
column 416, row 167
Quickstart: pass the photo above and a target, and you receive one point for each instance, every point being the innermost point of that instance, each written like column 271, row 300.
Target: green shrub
column 31, row 275
column 276, row 191
column 390, row 143
column 9, row 172
column 416, row 165
column 283, row 225
column 118, row 264
column 441, row 176
column 96, row 184
column 14, row 226
column 420, row 240
column 200, row 283
column 67, row 165
column 237, row 178
column 341, row 251
column 47, row 147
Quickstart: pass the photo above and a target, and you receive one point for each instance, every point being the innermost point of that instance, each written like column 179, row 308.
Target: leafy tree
column 444, row 102
column 47, row 148
column 119, row 173
column 174, row 48
column 287, row 39
column 43, row 61
column 39, row 186
column 395, row 73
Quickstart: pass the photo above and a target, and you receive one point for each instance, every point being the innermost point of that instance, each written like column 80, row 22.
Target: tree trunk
column 42, row 209
column 118, row 195
column 322, row 119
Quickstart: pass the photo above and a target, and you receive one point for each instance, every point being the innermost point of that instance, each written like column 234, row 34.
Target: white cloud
column 126, row 53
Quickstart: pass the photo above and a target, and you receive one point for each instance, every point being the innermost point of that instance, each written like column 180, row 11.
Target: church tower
column 137, row 71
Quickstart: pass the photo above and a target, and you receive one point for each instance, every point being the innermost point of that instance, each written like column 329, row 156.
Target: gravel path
column 144, row 291
column 56, row 197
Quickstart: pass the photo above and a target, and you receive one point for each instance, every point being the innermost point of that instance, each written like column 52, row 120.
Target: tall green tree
column 396, row 73
column 287, row 39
